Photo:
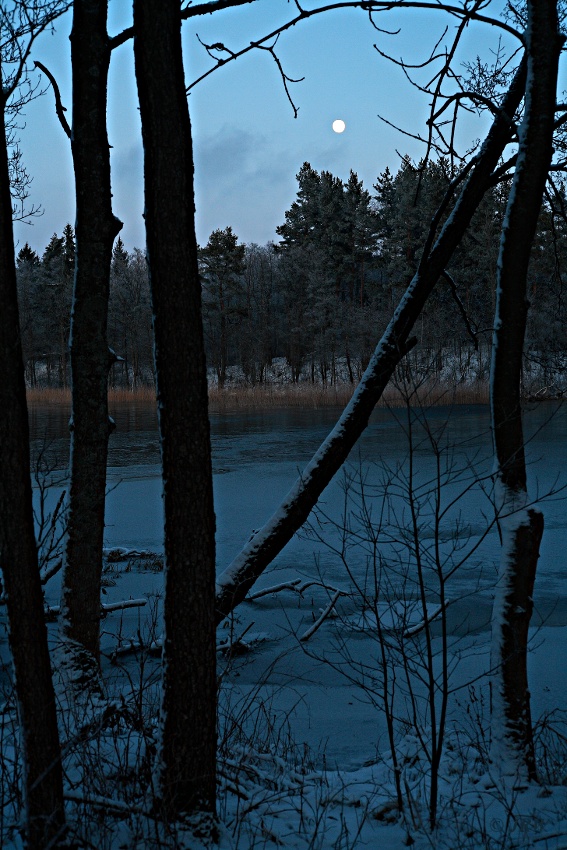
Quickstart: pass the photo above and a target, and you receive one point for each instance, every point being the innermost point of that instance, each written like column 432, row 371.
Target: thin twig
column 453, row 286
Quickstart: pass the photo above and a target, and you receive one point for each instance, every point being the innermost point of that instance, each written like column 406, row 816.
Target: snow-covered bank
column 304, row 760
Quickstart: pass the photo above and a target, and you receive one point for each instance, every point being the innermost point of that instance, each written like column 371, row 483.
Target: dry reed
column 43, row 396
column 270, row 396
column 314, row 396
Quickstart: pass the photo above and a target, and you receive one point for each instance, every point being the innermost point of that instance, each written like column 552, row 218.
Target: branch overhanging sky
column 248, row 146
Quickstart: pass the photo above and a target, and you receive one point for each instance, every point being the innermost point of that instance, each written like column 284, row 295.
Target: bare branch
column 453, row 286
column 285, row 78
column 458, row 96
column 443, row 207
column 558, row 197
column 370, row 6
column 445, row 72
column 502, row 172
column 23, row 27
column 238, row 578
column 59, row 108
column 189, row 11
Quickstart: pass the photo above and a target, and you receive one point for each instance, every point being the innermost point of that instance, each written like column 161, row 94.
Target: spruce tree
column 53, row 250
column 69, row 250
column 27, row 255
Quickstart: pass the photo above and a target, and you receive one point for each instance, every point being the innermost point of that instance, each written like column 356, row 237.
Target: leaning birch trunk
column 521, row 525
column 234, row 583
column 96, row 229
column 42, row 777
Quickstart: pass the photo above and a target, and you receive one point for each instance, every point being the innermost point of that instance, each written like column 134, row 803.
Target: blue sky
column 248, row 145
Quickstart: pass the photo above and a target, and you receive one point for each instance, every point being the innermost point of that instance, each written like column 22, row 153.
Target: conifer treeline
column 318, row 300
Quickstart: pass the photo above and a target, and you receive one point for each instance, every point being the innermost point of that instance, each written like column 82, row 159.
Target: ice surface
column 328, row 690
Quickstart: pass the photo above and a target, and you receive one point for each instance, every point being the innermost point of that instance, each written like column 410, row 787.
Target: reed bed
column 271, row 396
column 313, row 396
column 43, row 396
column 48, row 396
column 266, row 396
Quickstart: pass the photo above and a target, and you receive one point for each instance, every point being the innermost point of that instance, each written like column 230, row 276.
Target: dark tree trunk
column 235, row 582
column 188, row 734
column 95, row 231
column 43, row 787
column 522, row 526
column 223, row 348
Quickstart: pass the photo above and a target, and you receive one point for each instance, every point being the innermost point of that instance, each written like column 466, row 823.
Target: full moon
column 339, row 126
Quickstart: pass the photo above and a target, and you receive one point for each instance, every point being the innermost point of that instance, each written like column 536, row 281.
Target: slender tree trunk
column 43, row 787
column 238, row 578
column 95, row 230
column 522, row 526
column 187, row 753
column 348, row 362
column 223, row 350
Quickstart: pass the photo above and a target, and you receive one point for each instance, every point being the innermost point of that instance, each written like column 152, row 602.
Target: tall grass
column 41, row 396
column 45, row 396
column 263, row 396
column 272, row 396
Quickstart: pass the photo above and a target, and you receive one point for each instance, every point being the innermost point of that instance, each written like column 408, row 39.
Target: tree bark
column 187, row 780
column 522, row 526
column 43, row 786
column 238, row 578
column 95, row 231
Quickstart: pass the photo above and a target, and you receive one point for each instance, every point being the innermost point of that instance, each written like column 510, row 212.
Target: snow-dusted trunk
column 95, row 231
column 187, row 751
column 43, row 787
column 239, row 577
column 522, row 526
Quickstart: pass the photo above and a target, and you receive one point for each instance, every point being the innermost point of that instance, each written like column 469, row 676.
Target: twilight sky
column 248, row 145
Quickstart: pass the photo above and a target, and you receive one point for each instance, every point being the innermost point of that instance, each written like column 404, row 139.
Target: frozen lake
column 257, row 457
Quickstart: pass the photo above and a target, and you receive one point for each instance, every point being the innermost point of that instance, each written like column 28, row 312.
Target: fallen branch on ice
column 297, row 586
column 106, row 608
column 326, row 613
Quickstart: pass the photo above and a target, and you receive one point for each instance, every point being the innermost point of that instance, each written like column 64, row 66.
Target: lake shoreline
column 243, row 398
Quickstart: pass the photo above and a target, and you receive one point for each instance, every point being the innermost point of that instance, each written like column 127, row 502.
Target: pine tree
column 130, row 316
column 222, row 267
column 302, row 218
column 329, row 238
column 362, row 228
column 334, row 218
column 28, row 272
column 259, row 325
column 55, row 297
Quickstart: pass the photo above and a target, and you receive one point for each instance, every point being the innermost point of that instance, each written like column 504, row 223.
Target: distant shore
column 265, row 396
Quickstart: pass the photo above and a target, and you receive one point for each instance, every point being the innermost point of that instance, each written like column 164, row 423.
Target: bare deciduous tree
column 522, row 525
column 187, row 756
column 96, row 228
column 43, row 786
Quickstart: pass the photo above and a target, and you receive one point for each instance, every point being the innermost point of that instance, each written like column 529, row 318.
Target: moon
column 339, row 125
